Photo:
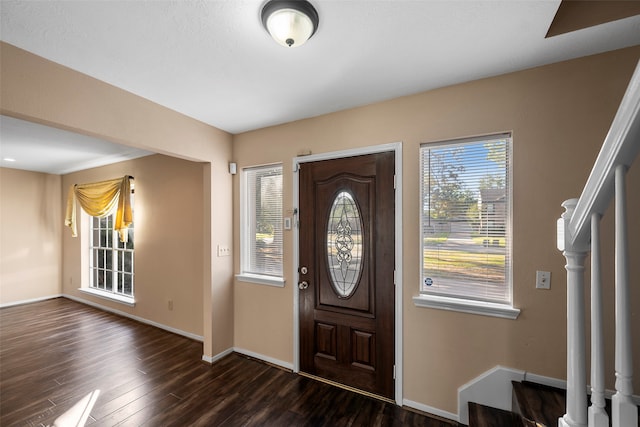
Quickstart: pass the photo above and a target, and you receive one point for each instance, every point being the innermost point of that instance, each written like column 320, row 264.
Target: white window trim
column 109, row 296
column 259, row 279
column 493, row 309
column 464, row 305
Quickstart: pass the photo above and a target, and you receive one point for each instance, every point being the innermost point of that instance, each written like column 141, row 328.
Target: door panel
column 347, row 220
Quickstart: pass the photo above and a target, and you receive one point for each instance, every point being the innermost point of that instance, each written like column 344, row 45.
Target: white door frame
column 297, row 161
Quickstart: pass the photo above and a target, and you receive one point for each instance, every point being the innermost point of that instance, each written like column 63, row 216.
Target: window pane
column 466, row 204
column 108, row 259
column 103, row 237
column 127, row 264
column 101, row 279
column 263, row 198
column 108, row 276
column 129, row 244
column 120, row 282
column 127, row 284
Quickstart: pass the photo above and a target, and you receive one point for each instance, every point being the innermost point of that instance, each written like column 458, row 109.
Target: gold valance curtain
column 98, row 199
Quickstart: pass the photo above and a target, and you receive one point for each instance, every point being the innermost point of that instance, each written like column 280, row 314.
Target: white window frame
column 88, row 266
column 246, row 275
column 459, row 303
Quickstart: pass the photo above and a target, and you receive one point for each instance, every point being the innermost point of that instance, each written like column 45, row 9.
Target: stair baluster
column 624, row 411
column 576, row 415
column 597, row 413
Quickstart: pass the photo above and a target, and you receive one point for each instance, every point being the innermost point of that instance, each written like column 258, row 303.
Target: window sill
column 131, row 302
column 261, row 280
column 467, row 306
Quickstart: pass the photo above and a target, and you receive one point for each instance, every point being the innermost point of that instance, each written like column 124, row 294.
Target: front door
column 347, row 258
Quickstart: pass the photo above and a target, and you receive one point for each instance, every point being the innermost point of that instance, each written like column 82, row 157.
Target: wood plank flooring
column 54, row 352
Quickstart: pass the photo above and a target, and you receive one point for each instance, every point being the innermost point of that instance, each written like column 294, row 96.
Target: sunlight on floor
column 78, row 414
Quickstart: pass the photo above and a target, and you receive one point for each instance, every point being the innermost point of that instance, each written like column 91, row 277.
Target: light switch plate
column 543, row 279
column 224, row 251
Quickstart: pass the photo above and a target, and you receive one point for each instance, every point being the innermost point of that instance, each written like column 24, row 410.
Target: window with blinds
column 262, row 217
column 465, row 218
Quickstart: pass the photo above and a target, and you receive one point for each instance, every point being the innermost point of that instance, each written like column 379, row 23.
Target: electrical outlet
column 543, row 279
column 224, row 251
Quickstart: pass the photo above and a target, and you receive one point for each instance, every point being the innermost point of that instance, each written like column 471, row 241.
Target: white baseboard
column 430, row 410
column 137, row 318
column 213, row 359
column 29, row 301
column 264, row 358
column 541, row 379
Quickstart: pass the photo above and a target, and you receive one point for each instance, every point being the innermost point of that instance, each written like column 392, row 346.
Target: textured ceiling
column 213, row 61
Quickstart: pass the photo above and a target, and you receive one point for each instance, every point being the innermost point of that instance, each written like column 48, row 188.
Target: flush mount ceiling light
column 291, row 23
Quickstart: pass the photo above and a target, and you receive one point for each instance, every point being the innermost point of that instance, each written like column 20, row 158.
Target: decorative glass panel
column 344, row 244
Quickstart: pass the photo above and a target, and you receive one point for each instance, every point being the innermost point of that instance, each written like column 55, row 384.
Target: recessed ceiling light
column 9, row 159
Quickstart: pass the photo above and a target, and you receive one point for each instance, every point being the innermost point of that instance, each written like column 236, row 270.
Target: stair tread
column 486, row 416
column 540, row 403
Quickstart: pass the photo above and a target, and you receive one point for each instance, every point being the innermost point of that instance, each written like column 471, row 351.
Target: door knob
column 303, row 285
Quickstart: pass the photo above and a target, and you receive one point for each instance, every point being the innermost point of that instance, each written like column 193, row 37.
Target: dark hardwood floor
column 52, row 353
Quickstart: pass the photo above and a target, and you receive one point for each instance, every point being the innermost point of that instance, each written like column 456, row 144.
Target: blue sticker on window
column 428, row 281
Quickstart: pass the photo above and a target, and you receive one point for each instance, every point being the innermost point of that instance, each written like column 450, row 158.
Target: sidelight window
column 261, row 225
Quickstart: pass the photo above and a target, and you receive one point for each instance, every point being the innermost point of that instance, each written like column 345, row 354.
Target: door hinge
column 395, row 181
column 394, row 277
column 394, row 372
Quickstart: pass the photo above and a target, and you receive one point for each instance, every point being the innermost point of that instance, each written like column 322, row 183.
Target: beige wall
column 30, row 234
column 168, row 217
column 559, row 115
column 32, row 88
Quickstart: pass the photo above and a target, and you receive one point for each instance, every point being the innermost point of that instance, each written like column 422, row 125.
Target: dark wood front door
column 347, row 258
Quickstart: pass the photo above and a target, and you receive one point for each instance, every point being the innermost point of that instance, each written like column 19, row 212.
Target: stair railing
column 579, row 234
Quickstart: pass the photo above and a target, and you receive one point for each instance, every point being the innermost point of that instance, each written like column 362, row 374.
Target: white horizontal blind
column 263, row 216
column 465, row 221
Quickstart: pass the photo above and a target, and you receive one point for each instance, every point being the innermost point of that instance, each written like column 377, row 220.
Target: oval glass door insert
column 344, row 244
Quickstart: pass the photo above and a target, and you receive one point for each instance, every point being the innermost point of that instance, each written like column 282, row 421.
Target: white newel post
column 624, row 411
column 576, row 415
column 597, row 414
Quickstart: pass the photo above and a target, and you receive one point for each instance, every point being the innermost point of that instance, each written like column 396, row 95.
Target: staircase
column 534, row 405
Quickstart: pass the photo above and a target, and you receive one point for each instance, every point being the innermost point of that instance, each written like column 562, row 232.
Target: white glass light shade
column 290, row 27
